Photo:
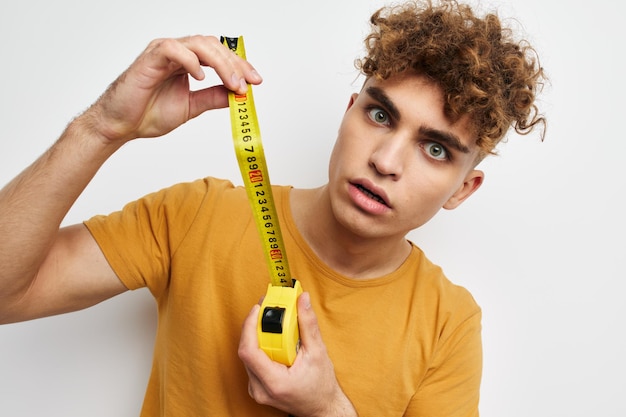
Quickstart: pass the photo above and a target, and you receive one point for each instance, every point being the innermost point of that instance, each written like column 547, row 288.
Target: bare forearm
column 33, row 205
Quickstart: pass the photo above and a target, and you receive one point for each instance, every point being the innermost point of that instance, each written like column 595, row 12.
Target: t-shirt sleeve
column 451, row 385
column 140, row 240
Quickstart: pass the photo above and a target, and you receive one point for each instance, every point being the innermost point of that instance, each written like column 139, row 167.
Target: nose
column 389, row 156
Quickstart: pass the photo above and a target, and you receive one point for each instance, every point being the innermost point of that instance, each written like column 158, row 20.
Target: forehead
column 409, row 83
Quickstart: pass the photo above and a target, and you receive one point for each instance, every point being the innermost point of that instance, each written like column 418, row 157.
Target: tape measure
column 277, row 326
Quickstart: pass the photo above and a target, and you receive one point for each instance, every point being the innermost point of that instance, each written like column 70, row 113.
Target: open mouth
column 371, row 195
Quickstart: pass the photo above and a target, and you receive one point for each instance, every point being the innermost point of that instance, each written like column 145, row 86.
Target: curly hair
column 482, row 70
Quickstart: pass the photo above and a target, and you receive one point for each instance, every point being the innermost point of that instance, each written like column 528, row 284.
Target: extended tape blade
column 251, row 159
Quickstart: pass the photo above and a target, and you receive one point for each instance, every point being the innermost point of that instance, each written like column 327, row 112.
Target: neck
column 349, row 254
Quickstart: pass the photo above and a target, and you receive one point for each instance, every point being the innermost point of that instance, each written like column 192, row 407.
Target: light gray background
column 541, row 245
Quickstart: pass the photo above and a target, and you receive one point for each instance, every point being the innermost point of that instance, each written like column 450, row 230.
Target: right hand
column 309, row 387
column 152, row 97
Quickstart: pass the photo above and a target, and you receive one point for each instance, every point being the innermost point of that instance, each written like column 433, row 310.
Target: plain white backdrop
column 540, row 245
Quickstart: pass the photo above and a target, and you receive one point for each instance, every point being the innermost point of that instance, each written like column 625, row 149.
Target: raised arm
column 44, row 270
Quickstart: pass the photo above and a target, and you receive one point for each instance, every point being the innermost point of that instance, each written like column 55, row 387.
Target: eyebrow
column 437, row 135
column 380, row 96
column 445, row 138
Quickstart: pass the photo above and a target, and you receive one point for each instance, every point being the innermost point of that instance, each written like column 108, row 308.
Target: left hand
column 309, row 387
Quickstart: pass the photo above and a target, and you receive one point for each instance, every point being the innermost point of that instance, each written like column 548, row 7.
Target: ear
column 471, row 183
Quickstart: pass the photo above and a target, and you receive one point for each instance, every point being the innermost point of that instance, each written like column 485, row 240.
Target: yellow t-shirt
column 407, row 343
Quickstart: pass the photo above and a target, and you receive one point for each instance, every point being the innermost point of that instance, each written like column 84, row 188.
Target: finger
column 255, row 388
column 249, row 351
column 234, row 71
column 249, row 337
column 256, row 361
column 172, row 55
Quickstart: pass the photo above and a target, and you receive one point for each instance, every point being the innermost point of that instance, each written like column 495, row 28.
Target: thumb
column 215, row 97
column 307, row 320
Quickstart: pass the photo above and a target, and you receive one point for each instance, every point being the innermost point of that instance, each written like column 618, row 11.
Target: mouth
column 371, row 194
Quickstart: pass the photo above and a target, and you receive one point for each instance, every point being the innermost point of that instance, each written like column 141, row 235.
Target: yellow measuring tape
column 278, row 322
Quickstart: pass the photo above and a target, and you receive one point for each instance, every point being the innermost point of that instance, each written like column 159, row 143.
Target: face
column 398, row 159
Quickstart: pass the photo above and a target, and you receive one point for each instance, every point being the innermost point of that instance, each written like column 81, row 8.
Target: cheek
column 430, row 188
column 335, row 156
column 344, row 150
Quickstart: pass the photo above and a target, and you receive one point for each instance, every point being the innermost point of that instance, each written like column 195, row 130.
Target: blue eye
column 436, row 151
column 378, row 116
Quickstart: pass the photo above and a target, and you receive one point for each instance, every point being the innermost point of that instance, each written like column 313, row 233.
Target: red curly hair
column 482, row 70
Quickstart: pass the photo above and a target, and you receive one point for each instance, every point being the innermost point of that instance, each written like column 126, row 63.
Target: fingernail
column 257, row 76
column 243, row 86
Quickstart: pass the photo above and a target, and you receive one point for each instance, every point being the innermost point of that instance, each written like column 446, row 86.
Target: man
column 383, row 331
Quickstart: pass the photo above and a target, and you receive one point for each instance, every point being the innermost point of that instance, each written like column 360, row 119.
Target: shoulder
column 177, row 205
column 200, row 188
column 451, row 302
